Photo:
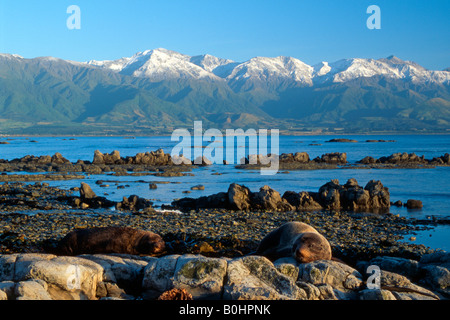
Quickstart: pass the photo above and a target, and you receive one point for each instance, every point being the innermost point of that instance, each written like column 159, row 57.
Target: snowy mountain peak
column 157, row 64
column 161, row 64
column 321, row 68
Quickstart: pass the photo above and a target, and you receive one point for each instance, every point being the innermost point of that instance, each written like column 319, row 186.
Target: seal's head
column 151, row 244
column 310, row 246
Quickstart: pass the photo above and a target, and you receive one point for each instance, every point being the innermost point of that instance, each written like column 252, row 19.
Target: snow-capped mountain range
column 159, row 89
column 162, row 64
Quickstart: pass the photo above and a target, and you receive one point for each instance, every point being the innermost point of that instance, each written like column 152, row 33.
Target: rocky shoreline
column 160, row 164
column 29, row 230
column 223, row 228
column 196, row 277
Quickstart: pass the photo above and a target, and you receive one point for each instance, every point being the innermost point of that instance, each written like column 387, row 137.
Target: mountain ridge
column 155, row 91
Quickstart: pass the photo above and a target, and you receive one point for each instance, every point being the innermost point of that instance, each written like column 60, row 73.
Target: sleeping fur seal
column 296, row 239
column 111, row 240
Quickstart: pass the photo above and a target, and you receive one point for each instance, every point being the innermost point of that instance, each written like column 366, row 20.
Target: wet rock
column 86, row 192
column 302, row 201
column 367, row 160
column 202, row 161
column 239, row 197
column 342, row 140
column 133, row 203
column 301, row 157
column 329, row 195
column 333, row 158
column 379, row 195
column 413, row 204
column 269, row 199
column 198, row 187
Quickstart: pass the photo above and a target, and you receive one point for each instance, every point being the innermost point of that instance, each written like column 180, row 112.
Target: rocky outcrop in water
column 331, row 196
column 407, row 159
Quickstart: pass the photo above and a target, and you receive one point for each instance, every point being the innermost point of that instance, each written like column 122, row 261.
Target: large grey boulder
column 256, row 278
column 202, row 277
column 344, row 280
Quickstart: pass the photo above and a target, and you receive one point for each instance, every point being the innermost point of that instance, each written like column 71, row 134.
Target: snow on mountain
column 220, row 67
column 263, row 69
column 10, row 56
column 391, row 67
column 157, row 64
column 162, row 64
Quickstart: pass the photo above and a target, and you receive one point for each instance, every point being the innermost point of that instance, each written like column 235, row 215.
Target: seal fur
column 111, row 240
column 295, row 239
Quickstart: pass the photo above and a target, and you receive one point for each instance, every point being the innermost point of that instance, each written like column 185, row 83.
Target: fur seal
column 296, row 239
column 111, row 240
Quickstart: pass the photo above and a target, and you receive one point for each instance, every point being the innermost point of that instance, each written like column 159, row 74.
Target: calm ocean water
column 429, row 185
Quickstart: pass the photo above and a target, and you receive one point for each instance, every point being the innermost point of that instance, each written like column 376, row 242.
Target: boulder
column 376, row 294
column 342, row 278
column 379, row 195
column 436, row 268
column 413, row 204
column 98, row 157
column 202, row 161
column 301, row 157
column 57, row 158
column 239, row 197
column 202, row 277
column 269, row 199
column 32, row 290
column 403, row 289
column 302, row 201
column 125, row 270
column 367, row 160
column 134, row 203
column 256, row 278
column 86, row 192
column 158, row 276
column 218, row 200
column 342, row 140
column 329, row 195
column 405, row 267
column 333, row 158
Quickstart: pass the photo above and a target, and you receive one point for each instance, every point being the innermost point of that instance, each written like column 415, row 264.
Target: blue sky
column 310, row 30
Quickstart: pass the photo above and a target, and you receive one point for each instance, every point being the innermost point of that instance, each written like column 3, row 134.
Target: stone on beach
column 99, row 276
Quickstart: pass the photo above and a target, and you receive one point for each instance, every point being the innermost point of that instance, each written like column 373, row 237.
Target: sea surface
column 431, row 186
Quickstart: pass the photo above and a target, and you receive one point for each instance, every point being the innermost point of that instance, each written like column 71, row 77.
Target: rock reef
column 331, row 196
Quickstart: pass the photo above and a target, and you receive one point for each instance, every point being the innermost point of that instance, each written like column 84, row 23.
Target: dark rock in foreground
column 125, row 277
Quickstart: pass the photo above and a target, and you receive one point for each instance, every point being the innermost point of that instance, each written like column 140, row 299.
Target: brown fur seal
column 111, row 240
column 295, row 239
